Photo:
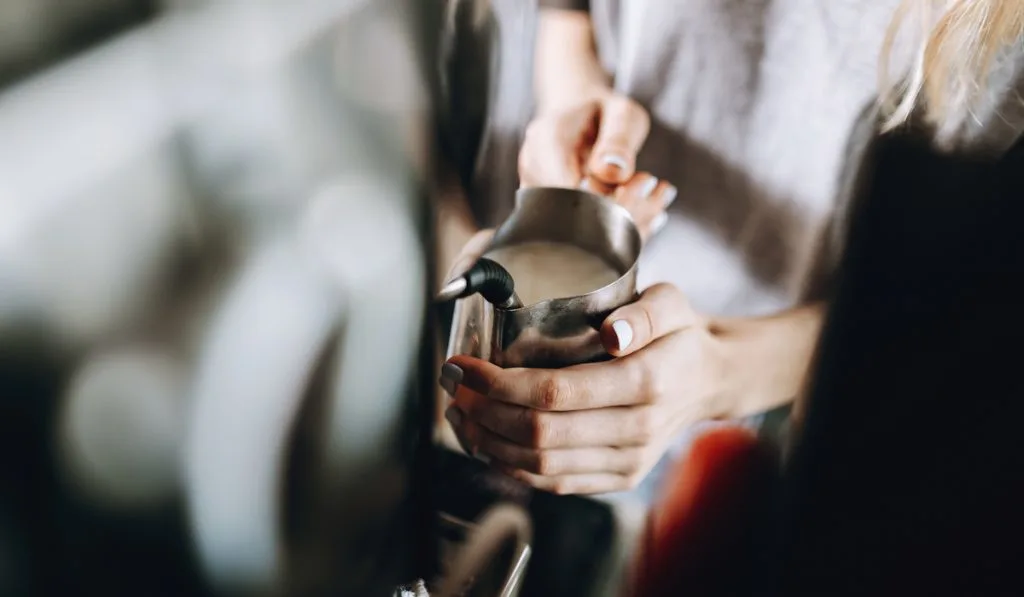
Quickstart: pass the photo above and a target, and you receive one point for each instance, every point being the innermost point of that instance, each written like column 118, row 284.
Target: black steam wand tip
column 488, row 278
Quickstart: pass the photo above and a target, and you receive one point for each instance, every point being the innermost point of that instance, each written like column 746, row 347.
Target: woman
column 745, row 118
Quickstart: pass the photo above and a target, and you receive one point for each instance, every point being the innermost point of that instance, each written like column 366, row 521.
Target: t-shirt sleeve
column 566, row 4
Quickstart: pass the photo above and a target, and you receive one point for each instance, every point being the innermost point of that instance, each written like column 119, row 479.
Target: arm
column 602, row 426
column 566, row 68
column 766, row 359
column 567, row 73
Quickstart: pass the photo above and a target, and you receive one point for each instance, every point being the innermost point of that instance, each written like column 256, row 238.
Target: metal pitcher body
column 562, row 331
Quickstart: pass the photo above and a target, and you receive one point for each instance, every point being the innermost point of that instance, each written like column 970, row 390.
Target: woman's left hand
column 598, row 427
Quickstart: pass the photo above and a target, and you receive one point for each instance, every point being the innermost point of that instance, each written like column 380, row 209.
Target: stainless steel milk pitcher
column 563, row 331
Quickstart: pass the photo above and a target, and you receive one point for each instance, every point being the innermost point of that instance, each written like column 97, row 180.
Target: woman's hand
column 600, row 427
column 594, row 145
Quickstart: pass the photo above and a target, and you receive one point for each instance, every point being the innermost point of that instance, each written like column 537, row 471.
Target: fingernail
column 623, row 333
column 648, row 188
column 585, row 185
column 670, row 196
column 484, row 458
column 454, row 416
column 616, row 161
column 658, row 223
column 451, row 377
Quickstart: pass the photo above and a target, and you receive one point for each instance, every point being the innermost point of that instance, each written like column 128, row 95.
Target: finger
column 623, row 128
column 580, row 387
column 646, row 198
column 470, row 253
column 585, row 484
column 636, row 192
column 619, row 427
column 642, row 197
column 570, row 461
column 661, row 310
column 664, row 195
column 456, row 418
column 595, row 186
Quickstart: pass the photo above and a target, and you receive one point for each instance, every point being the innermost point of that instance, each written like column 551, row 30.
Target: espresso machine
column 215, row 255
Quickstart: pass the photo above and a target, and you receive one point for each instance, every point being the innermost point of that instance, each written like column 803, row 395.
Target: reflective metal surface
column 558, row 332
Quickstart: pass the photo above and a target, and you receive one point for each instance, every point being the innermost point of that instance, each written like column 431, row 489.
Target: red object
column 698, row 533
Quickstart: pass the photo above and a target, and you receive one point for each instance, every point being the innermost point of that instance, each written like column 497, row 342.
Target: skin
column 601, row 427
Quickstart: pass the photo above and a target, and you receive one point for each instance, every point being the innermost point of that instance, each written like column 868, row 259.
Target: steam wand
column 488, row 278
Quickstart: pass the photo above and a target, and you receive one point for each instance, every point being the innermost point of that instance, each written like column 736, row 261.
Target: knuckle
column 634, row 462
column 543, row 463
column 648, row 319
column 553, row 391
column 647, row 380
column 561, row 487
column 673, row 295
column 540, row 431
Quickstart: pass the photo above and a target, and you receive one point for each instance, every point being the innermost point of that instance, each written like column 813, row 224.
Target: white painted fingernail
column 484, row 458
column 658, row 223
column 454, row 416
column 451, row 377
column 623, row 333
column 670, row 196
column 585, row 185
column 615, row 160
column 648, row 188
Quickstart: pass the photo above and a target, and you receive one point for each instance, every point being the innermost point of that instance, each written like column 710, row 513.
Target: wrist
column 570, row 95
column 567, row 72
column 763, row 362
column 719, row 390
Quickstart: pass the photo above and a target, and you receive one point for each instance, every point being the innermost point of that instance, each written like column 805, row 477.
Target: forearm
column 767, row 359
column 566, row 67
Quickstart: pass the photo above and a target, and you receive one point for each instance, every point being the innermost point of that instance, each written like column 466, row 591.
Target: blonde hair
column 957, row 43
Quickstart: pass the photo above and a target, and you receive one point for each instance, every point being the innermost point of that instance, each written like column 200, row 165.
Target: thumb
column 623, row 129
column 662, row 310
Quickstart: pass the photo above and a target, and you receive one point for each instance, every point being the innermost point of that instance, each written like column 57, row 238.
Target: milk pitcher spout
column 557, row 331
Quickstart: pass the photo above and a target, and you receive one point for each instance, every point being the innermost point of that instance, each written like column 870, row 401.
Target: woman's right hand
column 594, row 145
